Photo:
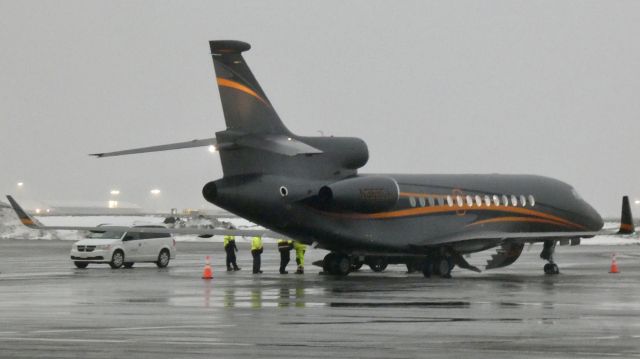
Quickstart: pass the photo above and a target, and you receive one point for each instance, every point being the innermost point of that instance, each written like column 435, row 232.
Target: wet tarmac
column 50, row 309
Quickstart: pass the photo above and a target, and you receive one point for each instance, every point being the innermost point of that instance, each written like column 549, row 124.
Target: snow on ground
column 10, row 227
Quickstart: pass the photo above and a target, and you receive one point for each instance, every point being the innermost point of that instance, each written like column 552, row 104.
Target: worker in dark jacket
column 256, row 252
column 231, row 249
column 284, row 247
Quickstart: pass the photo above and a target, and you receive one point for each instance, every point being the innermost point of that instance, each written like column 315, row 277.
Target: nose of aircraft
column 592, row 219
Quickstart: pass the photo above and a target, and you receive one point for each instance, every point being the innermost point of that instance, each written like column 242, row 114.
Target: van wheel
column 81, row 265
column 163, row 258
column 117, row 259
column 129, row 265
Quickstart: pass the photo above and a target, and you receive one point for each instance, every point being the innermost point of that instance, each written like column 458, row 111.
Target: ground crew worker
column 284, row 247
column 300, row 249
column 231, row 249
column 256, row 251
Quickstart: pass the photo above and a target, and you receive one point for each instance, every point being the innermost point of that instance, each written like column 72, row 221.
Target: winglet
column 26, row 219
column 626, row 221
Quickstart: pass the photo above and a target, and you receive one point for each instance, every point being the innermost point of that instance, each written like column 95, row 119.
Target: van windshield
column 105, row 235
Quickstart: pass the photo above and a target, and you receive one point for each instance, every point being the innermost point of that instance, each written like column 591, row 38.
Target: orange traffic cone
column 207, row 273
column 614, row 265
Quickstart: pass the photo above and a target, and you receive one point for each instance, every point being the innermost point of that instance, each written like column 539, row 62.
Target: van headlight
column 103, row 247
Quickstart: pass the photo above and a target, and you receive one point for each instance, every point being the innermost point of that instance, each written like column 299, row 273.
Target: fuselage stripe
column 521, row 219
column 444, row 209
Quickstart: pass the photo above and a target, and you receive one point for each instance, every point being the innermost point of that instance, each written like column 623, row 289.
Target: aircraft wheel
column 443, row 267
column 341, row 265
column 377, row 264
column 326, row 262
column 336, row 264
column 551, row 268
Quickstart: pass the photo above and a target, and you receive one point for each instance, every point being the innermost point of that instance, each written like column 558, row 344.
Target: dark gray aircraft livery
column 309, row 189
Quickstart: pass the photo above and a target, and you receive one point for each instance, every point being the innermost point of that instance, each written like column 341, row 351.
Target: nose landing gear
column 547, row 254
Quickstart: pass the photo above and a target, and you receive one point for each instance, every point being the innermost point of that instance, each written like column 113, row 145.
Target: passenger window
column 478, row 201
column 487, row 200
column 459, row 200
column 469, row 201
column 422, row 201
column 496, row 200
column 523, row 201
column 450, row 201
column 412, row 201
column 432, row 201
column 131, row 237
column 514, row 200
column 505, row 200
column 532, row 201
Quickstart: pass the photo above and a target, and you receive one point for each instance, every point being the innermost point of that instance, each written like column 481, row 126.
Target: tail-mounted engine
column 366, row 194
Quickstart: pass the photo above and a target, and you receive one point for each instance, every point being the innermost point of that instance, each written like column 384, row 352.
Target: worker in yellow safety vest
column 230, row 248
column 256, row 251
column 300, row 248
column 284, row 247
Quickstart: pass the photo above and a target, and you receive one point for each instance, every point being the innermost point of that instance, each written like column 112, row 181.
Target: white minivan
column 123, row 248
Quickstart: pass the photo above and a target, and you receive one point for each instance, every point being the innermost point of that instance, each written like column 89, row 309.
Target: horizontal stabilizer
column 171, row 146
column 283, row 145
column 626, row 220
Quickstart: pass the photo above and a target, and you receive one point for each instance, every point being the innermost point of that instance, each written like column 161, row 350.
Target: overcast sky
column 539, row 87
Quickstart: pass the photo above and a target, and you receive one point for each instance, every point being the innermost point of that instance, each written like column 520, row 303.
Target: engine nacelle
column 366, row 194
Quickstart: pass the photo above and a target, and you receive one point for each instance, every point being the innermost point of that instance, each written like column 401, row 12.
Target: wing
column 31, row 222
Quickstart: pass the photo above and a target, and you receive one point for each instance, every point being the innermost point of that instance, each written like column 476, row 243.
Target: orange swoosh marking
column 521, row 219
column 26, row 221
column 443, row 209
column 234, row 85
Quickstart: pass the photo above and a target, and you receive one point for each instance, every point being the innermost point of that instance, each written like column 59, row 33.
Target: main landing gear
column 336, row 264
column 547, row 254
column 440, row 265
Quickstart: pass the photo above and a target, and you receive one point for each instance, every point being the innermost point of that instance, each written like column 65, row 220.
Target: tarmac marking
column 67, row 340
column 133, row 328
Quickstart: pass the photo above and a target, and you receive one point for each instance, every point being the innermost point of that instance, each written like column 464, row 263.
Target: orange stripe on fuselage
column 234, row 85
column 444, row 209
column 521, row 219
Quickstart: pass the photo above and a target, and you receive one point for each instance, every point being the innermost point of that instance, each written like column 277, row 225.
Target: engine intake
column 362, row 194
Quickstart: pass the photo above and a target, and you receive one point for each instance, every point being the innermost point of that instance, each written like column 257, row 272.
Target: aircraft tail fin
column 626, row 221
column 246, row 107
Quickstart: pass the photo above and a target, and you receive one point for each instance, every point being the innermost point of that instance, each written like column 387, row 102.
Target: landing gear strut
column 547, row 254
